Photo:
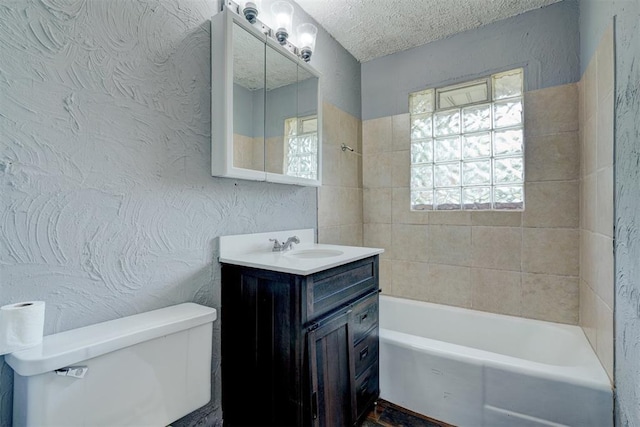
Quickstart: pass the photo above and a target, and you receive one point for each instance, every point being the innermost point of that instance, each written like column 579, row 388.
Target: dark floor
column 386, row 414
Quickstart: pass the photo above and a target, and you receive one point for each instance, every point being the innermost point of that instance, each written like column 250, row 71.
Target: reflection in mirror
column 301, row 142
column 281, row 104
column 292, row 123
column 248, row 100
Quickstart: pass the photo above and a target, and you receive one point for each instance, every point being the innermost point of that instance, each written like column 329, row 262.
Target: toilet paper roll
column 21, row 325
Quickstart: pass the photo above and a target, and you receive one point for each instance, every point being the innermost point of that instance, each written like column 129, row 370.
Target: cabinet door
column 332, row 376
column 281, row 105
column 237, row 98
column 262, row 348
column 248, row 100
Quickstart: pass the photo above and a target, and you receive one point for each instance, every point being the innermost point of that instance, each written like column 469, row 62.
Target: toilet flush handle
column 72, row 371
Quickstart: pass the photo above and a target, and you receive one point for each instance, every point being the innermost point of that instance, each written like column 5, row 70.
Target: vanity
column 299, row 331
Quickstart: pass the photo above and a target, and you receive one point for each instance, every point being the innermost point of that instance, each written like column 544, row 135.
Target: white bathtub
column 471, row 368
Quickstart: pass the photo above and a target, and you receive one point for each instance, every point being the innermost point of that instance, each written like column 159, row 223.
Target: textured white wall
column 107, row 206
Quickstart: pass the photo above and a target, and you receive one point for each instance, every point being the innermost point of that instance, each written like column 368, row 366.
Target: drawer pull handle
column 363, row 387
column 364, row 352
column 364, row 317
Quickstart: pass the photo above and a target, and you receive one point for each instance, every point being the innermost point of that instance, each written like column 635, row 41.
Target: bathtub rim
column 590, row 373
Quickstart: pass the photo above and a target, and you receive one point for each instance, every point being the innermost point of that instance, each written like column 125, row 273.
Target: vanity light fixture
column 283, row 14
column 251, row 9
column 307, row 40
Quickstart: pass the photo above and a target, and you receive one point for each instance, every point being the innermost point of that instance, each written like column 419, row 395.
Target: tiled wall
column 340, row 197
column 596, row 201
column 248, row 152
column 274, row 161
column 518, row 263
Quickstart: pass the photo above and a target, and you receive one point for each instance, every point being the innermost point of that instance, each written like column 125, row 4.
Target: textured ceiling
column 369, row 29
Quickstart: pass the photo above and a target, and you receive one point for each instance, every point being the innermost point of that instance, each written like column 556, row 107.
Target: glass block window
column 301, row 147
column 467, row 145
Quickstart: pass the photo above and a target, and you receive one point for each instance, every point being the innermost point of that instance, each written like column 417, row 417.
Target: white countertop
column 254, row 250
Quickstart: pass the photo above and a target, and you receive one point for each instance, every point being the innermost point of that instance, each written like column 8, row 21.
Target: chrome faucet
column 281, row 247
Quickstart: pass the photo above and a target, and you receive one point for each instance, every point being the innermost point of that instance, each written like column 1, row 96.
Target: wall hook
column 346, row 147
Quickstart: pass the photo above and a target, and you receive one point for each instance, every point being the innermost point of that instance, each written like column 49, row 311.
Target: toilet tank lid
column 74, row 346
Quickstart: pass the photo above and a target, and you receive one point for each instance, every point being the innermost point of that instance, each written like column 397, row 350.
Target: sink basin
column 315, row 253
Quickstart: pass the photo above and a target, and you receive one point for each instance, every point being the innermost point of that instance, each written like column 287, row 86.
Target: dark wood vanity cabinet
column 299, row 350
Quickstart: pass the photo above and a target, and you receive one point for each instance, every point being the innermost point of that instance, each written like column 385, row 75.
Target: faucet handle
column 276, row 244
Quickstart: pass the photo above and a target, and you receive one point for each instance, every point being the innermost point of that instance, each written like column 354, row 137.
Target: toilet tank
column 148, row 369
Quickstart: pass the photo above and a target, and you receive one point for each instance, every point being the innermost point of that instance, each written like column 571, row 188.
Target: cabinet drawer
column 338, row 286
column 366, row 352
column 365, row 315
column 367, row 389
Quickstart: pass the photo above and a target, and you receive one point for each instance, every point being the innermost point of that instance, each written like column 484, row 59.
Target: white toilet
column 145, row 370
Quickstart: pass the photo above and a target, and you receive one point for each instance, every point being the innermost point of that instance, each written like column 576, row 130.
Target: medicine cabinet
column 266, row 108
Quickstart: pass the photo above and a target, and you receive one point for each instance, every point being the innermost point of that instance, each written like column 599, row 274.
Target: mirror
column 266, row 122
column 291, row 131
column 281, row 104
column 248, row 100
column 308, row 158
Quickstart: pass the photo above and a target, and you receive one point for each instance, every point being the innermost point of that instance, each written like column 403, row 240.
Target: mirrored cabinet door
column 306, row 150
column 292, row 138
column 281, row 109
column 248, row 100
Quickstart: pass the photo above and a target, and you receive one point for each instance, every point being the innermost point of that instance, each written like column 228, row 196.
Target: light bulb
column 283, row 14
column 251, row 9
column 307, row 40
